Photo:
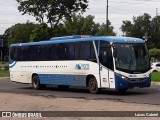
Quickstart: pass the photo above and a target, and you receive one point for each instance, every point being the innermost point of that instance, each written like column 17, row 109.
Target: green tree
column 78, row 24
column 144, row 27
column 102, row 30
column 52, row 10
column 19, row 33
column 127, row 28
column 155, row 53
column 40, row 32
column 139, row 28
column 155, row 32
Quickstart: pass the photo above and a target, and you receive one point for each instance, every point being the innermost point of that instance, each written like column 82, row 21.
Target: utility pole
column 156, row 12
column 156, row 25
column 1, row 46
column 156, row 18
column 107, row 16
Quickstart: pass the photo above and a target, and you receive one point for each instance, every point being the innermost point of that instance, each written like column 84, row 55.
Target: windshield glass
column 131, row 58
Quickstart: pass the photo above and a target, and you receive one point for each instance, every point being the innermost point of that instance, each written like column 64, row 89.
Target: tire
column 93, row 86
column 35, row 82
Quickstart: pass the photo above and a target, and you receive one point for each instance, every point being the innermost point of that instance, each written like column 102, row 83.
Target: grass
column 4, row 73
column 155, row 76
column 3, row 64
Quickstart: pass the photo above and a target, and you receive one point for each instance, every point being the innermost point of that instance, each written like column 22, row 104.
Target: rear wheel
column 93, row 86
column 35, row 82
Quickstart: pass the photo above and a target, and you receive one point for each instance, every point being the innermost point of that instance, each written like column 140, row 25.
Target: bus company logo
column 132, row 76
column 82, row 66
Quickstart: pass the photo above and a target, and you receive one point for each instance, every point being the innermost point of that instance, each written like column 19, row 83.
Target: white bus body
column 92, row 71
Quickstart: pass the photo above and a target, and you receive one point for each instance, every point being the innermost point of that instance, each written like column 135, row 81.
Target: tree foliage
column 102, row 30
column 85, row 25
column 155, row 53
column 19, row 33
column 52, row 10
column 40, row 32
column 155, row 32
column 144, row 27
column 76, row 25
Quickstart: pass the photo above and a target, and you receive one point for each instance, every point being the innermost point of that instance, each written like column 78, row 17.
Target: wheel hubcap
column 93, row 85
column 35, row 82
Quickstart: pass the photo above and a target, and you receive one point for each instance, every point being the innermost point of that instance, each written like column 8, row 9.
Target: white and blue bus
column 94, row 62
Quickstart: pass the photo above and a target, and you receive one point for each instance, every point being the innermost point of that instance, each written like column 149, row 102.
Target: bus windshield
column 131, row 58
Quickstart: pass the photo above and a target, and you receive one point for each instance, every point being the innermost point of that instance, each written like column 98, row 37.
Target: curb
column 155, row 83
column 4, row 77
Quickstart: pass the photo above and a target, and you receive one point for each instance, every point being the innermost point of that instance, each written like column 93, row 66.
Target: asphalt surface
column 138, row 95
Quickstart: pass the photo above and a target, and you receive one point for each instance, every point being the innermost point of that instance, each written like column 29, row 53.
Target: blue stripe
column 12, row 65
column 61, row 79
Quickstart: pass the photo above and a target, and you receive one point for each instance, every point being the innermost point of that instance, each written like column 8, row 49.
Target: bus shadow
column 79, row 90
column 128, row 93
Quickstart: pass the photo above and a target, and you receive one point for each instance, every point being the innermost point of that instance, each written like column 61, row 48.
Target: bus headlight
column 123, row 77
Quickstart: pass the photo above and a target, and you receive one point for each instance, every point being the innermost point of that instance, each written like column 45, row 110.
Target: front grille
column 136, row 85
column 136, row 79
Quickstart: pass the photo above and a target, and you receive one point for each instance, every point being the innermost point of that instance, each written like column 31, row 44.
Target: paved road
column 145, row 95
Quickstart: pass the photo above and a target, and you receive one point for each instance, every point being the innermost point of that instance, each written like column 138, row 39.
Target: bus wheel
column 35, row 82
column 93, row 86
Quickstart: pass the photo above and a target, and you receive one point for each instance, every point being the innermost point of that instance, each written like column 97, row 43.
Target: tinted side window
column 34, row 53
column 53, row 52
column 77, row 51
column 19, row 54
column 13, row 53
column 25, row 53
column 62, row 51
column 31, row 53
column 85, row 50
column 71, row 51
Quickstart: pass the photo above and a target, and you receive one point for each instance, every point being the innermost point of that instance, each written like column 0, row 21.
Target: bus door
column 106, row 65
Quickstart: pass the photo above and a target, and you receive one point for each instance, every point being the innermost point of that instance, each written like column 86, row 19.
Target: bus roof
column 79, row 38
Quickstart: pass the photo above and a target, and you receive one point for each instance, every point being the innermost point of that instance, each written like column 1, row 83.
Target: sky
column 119, row 10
